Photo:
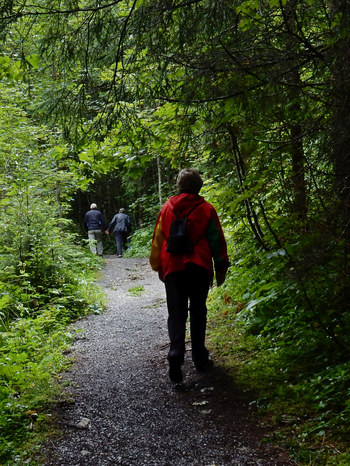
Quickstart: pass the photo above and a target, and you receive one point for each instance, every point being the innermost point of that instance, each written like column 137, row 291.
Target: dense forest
column 103, row 101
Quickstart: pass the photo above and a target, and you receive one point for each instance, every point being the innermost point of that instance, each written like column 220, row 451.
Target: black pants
column 188, row 286
column 120, row 239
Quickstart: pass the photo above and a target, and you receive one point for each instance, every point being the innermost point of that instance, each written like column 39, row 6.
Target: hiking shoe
column 175, row 372
column 204, row 366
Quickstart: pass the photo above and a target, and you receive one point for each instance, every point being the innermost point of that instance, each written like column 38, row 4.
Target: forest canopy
column 108, row 99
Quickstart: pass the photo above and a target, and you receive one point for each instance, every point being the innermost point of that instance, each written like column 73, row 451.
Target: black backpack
column 178, row 241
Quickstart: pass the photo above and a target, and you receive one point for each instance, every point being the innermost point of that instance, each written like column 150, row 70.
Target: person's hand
column 220, row 276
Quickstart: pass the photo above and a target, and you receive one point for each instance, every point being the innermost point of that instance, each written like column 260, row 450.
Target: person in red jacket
column 187, row 276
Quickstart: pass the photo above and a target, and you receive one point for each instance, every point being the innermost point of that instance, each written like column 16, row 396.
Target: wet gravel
column 121, row 409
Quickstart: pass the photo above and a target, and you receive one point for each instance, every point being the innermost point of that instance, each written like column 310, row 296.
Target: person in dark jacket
column 120, row 226
column 95, row 224
column 187, row 276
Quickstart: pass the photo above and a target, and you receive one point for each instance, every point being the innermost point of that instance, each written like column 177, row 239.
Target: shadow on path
column 121, row 409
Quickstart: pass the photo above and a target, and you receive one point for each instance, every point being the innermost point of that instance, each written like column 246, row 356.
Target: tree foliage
column 43, row 273
column 254, row 93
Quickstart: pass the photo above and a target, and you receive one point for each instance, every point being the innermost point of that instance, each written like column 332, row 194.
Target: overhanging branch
column 39, row 10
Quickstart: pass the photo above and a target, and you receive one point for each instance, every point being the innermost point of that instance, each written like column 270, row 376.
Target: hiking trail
column 120, row 408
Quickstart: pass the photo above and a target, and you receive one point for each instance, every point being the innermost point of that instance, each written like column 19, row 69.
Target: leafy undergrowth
column 46, row 277
column 31, row 359
column 305, row 397
column 140, row 243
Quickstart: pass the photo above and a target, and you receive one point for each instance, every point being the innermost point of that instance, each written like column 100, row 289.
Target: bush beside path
column 120, row 408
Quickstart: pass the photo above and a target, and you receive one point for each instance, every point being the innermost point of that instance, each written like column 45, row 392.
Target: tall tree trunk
column 159, row 181
column 59, row 204
column 341, row 121
column 298, row 168
column 252, row 216
column 296, row 149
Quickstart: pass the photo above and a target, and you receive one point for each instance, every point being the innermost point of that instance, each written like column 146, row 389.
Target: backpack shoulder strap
column 190, row 211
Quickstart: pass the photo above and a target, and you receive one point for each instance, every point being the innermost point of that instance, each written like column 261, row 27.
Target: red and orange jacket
column 204, row 230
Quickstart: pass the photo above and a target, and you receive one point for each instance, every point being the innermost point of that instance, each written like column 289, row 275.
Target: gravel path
column 121, row 409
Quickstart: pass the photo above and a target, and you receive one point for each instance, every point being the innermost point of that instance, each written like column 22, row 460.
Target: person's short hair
column 189, row 181
column 93, row 206
column 122, row 210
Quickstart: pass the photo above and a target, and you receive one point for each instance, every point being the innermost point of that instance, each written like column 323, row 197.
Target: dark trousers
column 187, row 290
column 120, row 239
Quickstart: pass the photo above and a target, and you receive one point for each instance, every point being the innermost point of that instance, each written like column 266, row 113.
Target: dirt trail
column 123, row 408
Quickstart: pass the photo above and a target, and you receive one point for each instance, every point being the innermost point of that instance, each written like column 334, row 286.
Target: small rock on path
column 121, row 409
